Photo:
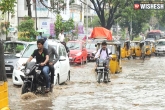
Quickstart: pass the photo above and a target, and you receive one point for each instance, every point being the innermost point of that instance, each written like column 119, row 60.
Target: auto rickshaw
column 115, row 61
column 135, row 49
column 148, row 48
column 3, row 82
column 153, row 47
column 126, row 50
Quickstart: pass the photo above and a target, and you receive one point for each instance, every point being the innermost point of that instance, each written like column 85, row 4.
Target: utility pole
column 87, row 21
column 36, row 13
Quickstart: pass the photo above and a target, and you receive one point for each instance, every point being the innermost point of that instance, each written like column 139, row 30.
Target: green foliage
column 58, row 25
column 19, row 48
column 27, row 26
column 7, row 6
column 3, row 27
column 66, row 26
column 137, row 38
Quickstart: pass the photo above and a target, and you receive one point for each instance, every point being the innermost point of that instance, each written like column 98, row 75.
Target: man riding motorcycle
column 103, row 53
column 42, row 58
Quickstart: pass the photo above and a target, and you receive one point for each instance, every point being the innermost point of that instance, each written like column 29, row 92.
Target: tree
column 140, row 19
column 106, row 10
column 68, row 25
column 7, row 6
column 27, row 28
column 29, row 7
column 56, row 5
column 58, row 25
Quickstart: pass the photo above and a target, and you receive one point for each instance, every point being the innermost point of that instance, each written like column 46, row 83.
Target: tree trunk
column 29, row 8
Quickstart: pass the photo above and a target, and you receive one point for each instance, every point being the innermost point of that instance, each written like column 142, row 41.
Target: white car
column 160, row 47
column 62, row 67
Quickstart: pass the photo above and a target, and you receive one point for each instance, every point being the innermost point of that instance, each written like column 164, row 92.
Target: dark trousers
column 52, row 73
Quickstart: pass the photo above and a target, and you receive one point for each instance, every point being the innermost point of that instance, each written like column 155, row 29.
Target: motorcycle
column 34, row 80
column 102, row 71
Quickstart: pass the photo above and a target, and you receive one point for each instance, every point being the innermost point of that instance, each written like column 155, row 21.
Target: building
column 43, row 17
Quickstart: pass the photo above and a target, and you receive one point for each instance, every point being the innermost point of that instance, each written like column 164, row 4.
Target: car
column 12, row 52
column 61, row 74
column 160, row 47
column 78, row 52
column 91, row 49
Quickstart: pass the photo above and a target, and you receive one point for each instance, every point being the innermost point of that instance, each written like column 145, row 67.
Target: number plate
column 29, row 76
column 70, row 58
column 100, row 67
column 7, row 68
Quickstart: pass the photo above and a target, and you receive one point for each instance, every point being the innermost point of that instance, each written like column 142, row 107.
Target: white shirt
column 103, row 54
column 61, row 37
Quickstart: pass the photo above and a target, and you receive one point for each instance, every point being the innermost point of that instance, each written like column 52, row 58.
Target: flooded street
column 140, row 86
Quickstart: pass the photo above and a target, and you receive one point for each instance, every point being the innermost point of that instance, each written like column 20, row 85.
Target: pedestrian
column 61, row 36
column 39, row 36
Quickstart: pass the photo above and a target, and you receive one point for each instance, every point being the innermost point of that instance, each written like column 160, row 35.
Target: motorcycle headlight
column 18, row 66
column 27, row 71
column 78, row 54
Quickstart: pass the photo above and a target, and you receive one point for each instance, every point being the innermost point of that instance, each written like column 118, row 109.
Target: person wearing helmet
column 103, row 53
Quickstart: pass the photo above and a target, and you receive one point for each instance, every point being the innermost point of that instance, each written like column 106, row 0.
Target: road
column 140, row 86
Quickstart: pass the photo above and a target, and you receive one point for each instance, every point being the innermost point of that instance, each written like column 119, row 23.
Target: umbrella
column 42, row 30
column 101, row 33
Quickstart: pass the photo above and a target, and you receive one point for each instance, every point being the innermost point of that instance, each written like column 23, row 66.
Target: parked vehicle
column 154, row 35
column 61, row 74
column 102, row 71
column 91, row 49
column 4, row 100
column 12, row 52
column 126, row 50
column 78, row 52
column 136, row 49
column 160, row 47
column 34, row 80
column 148, row 48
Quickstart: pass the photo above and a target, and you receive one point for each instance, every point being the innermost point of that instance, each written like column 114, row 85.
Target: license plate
column 7, row 68
column 70, row 58
column 100, row 67
column 28, row 76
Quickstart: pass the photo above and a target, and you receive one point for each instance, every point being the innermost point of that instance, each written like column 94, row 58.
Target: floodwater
column 140, row 86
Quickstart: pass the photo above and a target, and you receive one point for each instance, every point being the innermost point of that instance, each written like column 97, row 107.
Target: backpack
column 106, row 51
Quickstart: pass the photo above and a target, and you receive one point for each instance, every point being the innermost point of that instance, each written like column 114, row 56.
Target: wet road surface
column 140, row 86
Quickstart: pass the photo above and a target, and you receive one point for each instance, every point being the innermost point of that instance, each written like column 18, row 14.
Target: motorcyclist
column 103, row 53
column 42, row 58
column 51, row 52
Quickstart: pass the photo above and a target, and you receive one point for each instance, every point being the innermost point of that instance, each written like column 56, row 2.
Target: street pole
column 36, row 13
column 87, row 22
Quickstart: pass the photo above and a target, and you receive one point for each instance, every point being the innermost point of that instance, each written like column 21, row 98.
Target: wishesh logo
column 146, row 5
column 136, row 6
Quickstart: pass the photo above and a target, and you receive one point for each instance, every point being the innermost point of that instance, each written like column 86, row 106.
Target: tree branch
column 87, row 5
